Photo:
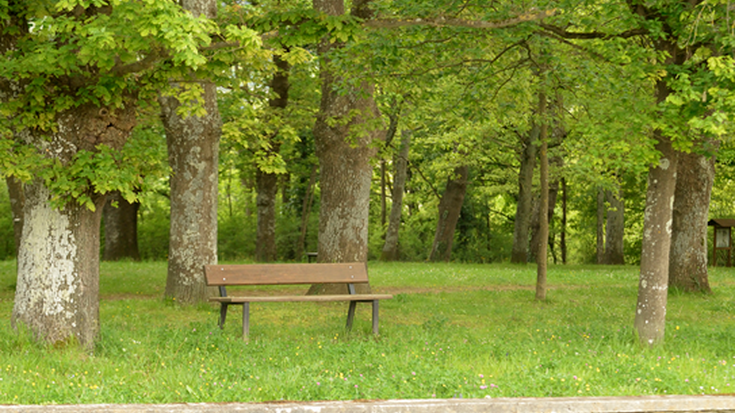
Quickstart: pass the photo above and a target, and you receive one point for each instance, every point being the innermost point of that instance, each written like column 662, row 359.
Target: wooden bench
column 350, row 274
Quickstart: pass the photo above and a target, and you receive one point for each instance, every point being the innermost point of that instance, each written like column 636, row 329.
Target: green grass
column 452, row 330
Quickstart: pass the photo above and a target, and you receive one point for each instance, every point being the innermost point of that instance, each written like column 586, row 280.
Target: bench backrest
column 275, row 274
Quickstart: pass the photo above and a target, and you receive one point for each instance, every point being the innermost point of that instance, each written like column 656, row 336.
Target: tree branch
column 140, row 65
column 563, row 33
column 453, row 22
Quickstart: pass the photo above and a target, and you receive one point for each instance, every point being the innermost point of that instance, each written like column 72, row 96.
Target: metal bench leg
column 222, row 315
column 351, row 314
column 375, row 317
column 245, row 321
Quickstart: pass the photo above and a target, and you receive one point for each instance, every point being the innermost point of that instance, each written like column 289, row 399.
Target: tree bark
column 391, row 251
column 519, row 253
column 601, row 225
column 121, row 228
column 688, row 255
column 344, row 157
column 615, row 229
column 450, row 207
column 267, row 182
column 58, row 270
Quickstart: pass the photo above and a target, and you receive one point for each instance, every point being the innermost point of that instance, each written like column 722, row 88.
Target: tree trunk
column 615, row 229
column 57, row 293
column 267, row 182
column 383, row 195
column 17, row 200
column 344, row 150
column 305, row 212
column 265, row 244
column 601, row 225
column 536, row 222
column 450, row 207
column 58, row 270
column 688, row 255
column 650, row 318
column 193, row 155
column 121, row 228
column 391, row 251
column 542, row 256
column 519, row 254
column 193, row 146
column 563, row 237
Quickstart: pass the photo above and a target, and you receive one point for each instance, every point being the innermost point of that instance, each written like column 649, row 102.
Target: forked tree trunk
column 450, row 207
column 344, row 150
column 615, row 228
column 121, row 228
column 391, row 251
column 688, row 256
column 519, row 253
column 57, row 293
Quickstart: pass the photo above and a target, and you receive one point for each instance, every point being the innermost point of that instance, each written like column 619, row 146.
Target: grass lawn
column 452, row 330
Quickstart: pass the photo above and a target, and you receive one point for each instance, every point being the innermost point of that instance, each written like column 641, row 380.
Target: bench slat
column 277, row 274
column 299, row 298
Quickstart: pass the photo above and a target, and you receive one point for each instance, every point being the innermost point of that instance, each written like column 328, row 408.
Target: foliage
column 467, row 93
column 452, row 330
column 72, row 54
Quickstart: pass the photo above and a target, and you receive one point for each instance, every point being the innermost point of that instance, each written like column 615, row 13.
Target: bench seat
column 349, row 274
column 299, row 298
